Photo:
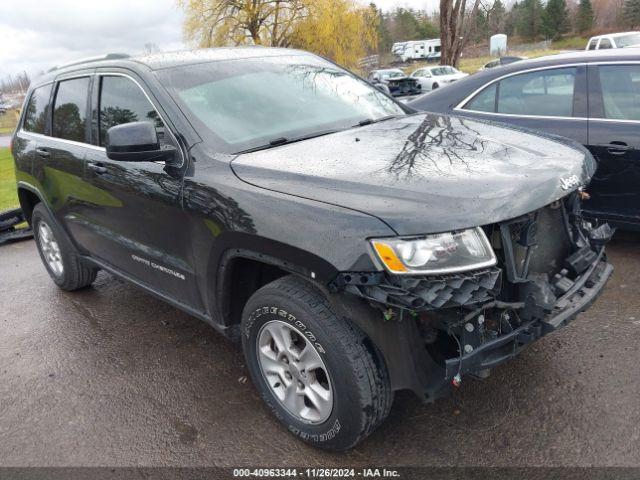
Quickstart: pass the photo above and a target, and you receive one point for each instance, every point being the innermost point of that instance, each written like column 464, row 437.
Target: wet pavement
column 112, row 376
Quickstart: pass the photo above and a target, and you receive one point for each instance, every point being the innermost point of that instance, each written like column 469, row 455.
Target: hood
column 425, row 173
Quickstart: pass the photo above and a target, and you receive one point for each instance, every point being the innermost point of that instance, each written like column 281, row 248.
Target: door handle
column 43, row 152
column 97, row 167
column 618, row 148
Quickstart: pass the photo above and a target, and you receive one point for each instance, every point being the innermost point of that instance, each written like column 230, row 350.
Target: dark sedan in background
column 394, row 82
column 590, row 97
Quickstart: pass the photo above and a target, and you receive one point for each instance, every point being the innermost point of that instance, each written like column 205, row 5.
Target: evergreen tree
column 555, row 20
column 512, row 20
column 631, row 13
column 529, row 19
column 497, row 18
column 481, row 30
column 584, row 18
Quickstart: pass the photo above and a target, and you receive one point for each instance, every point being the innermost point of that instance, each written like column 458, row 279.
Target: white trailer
column 416, row 49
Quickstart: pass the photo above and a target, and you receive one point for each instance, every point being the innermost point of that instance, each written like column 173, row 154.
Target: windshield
column 250, row 103
column 393, row 73
column 628, row 40
column 443, row 71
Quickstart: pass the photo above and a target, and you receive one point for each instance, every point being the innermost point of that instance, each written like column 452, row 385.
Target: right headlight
column 435, row 254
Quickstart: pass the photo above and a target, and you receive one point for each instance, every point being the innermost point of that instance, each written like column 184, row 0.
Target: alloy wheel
column 295, row 372
column 50, row 249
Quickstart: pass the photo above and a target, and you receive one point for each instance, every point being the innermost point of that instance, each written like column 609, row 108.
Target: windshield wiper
column 369, row 121
column 276, row 142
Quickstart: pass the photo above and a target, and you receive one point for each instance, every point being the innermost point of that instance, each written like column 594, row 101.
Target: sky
column 36, row 35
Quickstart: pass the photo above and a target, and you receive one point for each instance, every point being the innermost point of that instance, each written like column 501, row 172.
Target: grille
column 428, row 293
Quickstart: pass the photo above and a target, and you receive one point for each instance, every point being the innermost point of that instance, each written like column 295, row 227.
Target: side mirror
column 136, row 142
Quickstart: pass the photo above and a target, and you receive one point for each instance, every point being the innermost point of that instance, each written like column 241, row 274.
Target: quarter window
column 620, row 91
column 70, row 109
column 593, row 44
column 35, row 117
column 546, row 93
column 485, row 101
column 122, row 101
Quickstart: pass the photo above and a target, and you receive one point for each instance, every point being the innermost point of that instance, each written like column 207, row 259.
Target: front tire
column 313, row 368
column 434, row 86
column 59, row 256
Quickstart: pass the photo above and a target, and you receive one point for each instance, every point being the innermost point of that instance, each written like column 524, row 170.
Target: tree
column 512, row 19
column 555, row 20
column 235, row 22
column 496, row 17
column 342, row 30
column 584, row 17
column 529, row 19
column 456, row 28
column 632, row 13
column 384, row 35
column 481, row 27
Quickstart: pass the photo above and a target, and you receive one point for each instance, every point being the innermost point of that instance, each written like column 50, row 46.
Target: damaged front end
column 550, row 266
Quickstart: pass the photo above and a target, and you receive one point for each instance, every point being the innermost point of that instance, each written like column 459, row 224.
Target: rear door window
column 620, row 91
column 546, row 93
column 70, row 109
column 35, row 117
column 593, row 44
column 122, row 101
column 542, row 93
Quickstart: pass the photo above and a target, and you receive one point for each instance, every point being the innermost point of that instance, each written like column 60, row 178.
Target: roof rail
column 108, row 56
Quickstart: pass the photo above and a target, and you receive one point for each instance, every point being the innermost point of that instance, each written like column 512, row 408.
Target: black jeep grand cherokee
column 354, row 246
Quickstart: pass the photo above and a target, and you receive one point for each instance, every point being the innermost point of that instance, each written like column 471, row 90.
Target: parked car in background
column 614, row 40
column 394, row 82
column 431, row 78
column 499, row 62
column 590, row 97
column 353, row 247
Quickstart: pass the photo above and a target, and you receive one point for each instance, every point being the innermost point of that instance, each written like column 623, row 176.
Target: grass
column 8, row 195
column 8, row 121
column 570, row 43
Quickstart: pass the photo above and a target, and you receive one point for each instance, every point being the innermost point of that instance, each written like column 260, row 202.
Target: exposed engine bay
column 551, row 266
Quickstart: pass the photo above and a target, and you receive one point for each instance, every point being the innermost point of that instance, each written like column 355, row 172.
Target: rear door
column 614, row 139
column 552, row 100
column 60, row 155
column 134, row 221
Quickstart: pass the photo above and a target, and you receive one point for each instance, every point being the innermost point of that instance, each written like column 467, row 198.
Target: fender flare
column 230, row 246
column 22, row 185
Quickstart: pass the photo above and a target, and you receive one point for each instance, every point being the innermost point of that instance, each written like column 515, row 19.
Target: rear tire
column 434, row 86
column 59, row 256
column 345, row 371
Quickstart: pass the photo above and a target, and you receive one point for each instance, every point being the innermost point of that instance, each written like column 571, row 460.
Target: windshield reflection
column 248, row 104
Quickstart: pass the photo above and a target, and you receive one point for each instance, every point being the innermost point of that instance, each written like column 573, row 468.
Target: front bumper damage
column 491, row 353
column 552, row 266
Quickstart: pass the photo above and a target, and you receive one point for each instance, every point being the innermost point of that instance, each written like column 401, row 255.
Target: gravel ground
column 112, row 376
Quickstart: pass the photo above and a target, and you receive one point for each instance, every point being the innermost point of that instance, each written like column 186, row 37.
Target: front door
column 135, row 223
column 614, row 140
